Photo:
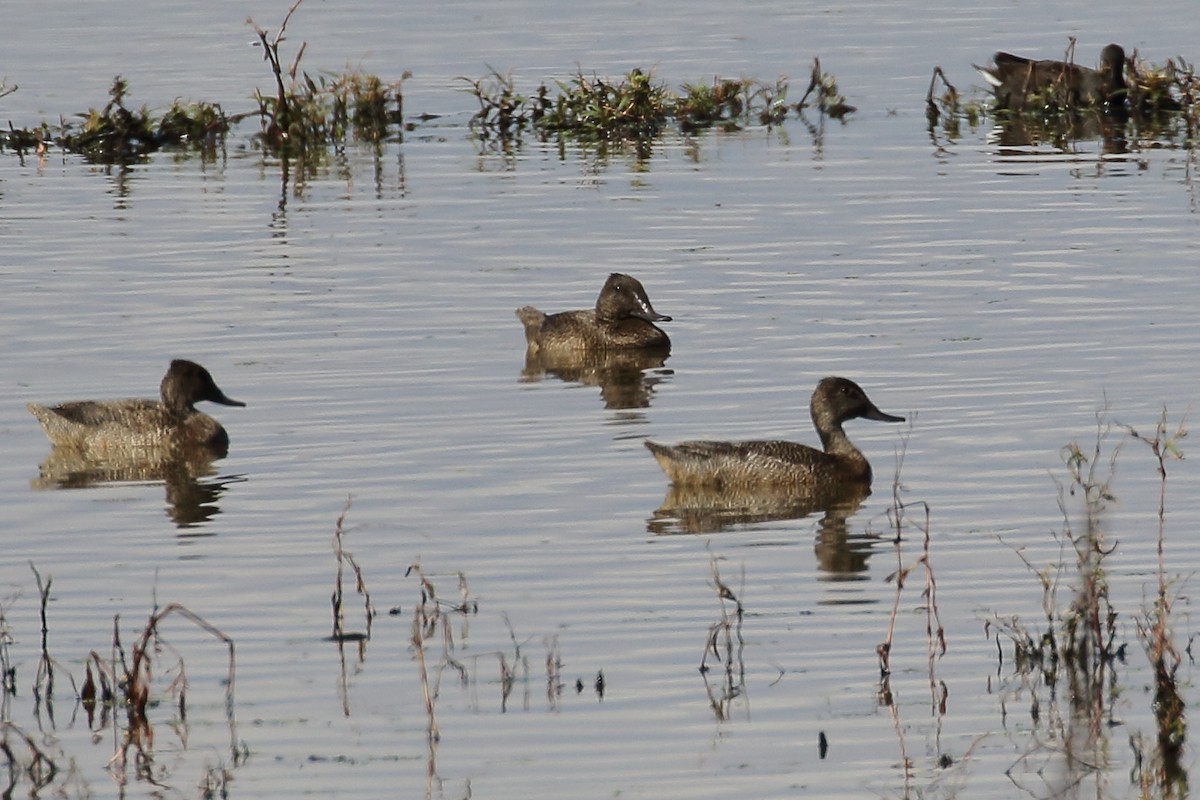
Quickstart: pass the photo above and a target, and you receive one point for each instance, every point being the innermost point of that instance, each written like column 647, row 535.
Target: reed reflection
column 626, row 378
column 190, row 493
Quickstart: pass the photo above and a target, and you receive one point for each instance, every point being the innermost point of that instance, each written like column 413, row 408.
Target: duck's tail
column 532, row 319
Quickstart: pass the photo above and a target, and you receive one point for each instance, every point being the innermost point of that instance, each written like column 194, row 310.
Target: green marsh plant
column 306, row 115
column 636, row 108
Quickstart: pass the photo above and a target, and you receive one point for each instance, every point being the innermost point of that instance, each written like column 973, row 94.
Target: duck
column 622, row 319
column 780, row 463
column 135, row 428
column 1015, row 78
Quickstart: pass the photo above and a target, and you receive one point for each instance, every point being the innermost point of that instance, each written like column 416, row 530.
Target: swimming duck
column 162, row 428
column 834, row 401
column 1015, row 78
column 622, row 318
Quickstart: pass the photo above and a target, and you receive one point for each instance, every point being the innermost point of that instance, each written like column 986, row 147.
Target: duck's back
column 566, row 330
column 774, row 462
column 583, row 332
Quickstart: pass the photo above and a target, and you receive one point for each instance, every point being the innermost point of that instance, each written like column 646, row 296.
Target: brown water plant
column 344, row 558
column 723, row 101
column 1156, row 632
column 136, row 687
column 828, row 99
column 725, row 644
column 900, row 522
column 1076, row 655
column 946, row 107
column 903, row 523
column 431, row 617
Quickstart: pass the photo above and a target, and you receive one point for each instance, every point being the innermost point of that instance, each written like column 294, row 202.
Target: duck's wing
column 711, row 462
column 91, row 413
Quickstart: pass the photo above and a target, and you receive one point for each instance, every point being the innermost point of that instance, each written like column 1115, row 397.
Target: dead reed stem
column 360, row 585
column 429, row 618
column 281, row 118
column 724, row 641
column 43, row 685
column 898, row 520
column 1157, row 635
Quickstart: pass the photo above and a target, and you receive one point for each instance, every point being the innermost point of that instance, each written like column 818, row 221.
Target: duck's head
column 837, row 400
column 187, row 383
column 622, row 297
column 1112, row 64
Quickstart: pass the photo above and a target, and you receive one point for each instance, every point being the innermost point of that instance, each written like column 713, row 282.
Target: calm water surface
column 1000, row 298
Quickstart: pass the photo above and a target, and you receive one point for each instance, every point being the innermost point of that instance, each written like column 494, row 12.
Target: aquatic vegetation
column 636, row 108
column 949, row 108
column 129, row 681
column 307, row 115
column 726, row 644
column 501, row 110
column 1164, row 766
column 702, row 104
column 116, row 134
column 345, row 558
column 829, row 100
column 1077, row 654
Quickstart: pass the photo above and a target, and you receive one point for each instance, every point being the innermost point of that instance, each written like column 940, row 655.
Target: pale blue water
column 997, row 300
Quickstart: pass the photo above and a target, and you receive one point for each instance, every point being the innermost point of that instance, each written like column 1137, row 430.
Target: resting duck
column 776, row 462
column 102, row 429
column 1015, row 78
column 622, row 319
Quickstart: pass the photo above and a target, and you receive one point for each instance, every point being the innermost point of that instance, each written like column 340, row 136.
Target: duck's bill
column 879, row 416
column 227, row 401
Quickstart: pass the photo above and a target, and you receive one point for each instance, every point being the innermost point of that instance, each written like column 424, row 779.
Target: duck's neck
column 835, row 442
column 176, row 406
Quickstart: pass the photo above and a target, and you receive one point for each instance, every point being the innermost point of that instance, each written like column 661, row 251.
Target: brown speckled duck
column 159, row 428
column 1015, row 78
column 622, row 319
column 776, row 462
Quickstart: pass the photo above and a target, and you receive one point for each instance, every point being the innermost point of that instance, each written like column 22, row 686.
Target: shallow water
column 1000, row 298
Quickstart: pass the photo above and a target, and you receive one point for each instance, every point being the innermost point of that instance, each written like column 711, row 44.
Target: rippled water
column 999, row 297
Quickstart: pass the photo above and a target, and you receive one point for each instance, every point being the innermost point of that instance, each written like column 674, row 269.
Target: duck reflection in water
column 166, row 440
column 191, row 490
column 627, row 379
column 707, row 509
column 612, row 346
